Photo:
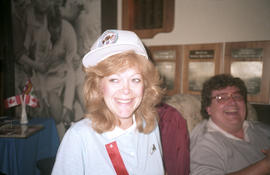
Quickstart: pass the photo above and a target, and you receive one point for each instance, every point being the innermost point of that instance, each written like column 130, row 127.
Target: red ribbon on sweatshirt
column 116, row 158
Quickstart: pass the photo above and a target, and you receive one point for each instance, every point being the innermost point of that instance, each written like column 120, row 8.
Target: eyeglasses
column 222, row 98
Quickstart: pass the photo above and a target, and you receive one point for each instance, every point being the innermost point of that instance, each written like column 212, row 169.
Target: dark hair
column 54, row 17
column 218, row 82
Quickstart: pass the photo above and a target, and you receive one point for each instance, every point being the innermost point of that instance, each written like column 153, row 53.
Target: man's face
column 227, row 109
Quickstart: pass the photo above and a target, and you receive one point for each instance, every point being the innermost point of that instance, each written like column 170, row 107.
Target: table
column 18, row 156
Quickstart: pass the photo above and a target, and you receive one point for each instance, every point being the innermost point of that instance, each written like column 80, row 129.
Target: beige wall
column 210, row 21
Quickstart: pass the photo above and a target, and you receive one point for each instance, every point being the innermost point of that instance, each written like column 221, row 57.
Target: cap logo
column 108, row 37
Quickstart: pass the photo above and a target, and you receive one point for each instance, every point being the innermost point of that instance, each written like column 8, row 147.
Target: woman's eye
column 136, row 80
column 114, row 80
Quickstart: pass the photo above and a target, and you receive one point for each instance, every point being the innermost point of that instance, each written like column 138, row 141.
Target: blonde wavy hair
column 102, row 118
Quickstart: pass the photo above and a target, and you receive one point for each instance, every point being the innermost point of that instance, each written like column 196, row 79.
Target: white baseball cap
column 112, row 42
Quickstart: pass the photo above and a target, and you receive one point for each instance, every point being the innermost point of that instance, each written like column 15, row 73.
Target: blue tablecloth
column 18, row 156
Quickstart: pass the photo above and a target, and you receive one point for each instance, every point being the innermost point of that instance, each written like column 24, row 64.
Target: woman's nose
column 125, row 87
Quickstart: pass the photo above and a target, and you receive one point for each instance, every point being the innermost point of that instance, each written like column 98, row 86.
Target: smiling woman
column 123, row 67
column 119, row 133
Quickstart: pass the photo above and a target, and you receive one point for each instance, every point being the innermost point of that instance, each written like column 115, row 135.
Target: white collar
column 212, row 127
column 116, row 132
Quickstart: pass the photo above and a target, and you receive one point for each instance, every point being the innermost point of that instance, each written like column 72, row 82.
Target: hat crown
column 112, row 42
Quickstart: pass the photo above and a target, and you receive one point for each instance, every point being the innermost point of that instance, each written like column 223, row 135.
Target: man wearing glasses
column 227, row 143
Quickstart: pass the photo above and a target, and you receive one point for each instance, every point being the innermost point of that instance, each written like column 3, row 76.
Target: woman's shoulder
column 81, row 125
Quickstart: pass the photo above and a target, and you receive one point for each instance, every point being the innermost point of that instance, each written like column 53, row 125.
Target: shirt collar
column 212, row 127
column 116, row 132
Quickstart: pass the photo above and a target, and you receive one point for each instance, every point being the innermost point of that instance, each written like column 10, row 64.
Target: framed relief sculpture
column 248, row 61
column 56, row 87
column 148, row 17
column 201, row 61
column 167, row 59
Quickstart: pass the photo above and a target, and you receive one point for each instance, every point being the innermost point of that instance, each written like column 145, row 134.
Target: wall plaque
column 197, row 78
column 250, row 72
column 201, row 61
column 250, row 61
column 164, row 54
column 247, row 53
column 168, row 59
column 167, row 72
column 201, row 54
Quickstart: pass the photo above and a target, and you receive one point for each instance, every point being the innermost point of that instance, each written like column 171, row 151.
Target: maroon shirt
column 175, row 140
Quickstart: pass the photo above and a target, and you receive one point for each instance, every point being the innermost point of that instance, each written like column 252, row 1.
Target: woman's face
column 123, row 93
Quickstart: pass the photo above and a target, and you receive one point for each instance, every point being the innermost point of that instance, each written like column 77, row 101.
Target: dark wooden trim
column 128, row 17
column 108, row 14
